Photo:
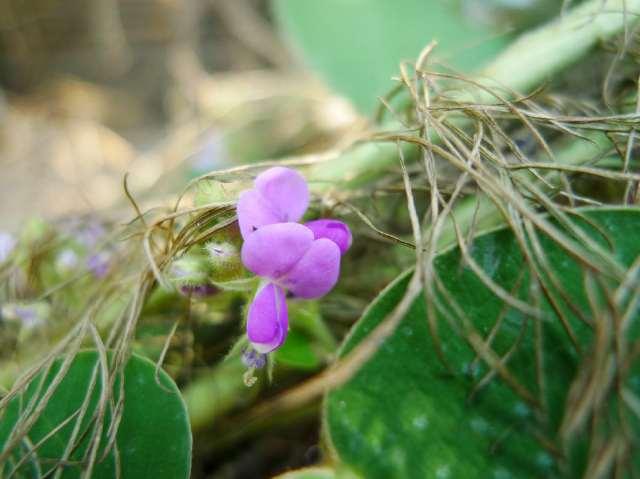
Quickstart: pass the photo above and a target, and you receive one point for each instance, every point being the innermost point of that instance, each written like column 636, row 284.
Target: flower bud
column 225, row 261
column 190, row 275
column 253, row 359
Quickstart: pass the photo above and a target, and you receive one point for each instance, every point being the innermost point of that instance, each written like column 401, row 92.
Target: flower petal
column 316, row 272
column 268, row 320
column 335, row 230
column 286, row 192
column 272, row 250
column 253, row 212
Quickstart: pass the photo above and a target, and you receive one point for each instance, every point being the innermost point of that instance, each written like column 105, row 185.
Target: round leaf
column 407, row 414
column 153, row 437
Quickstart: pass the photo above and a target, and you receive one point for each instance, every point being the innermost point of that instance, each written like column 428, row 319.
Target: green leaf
column 310, row 342
column 297, row 352
column 406, row 415
column 358, row 45
column 153, row 438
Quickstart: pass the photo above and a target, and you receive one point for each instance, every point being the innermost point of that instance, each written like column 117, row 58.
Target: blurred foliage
column 357, row 46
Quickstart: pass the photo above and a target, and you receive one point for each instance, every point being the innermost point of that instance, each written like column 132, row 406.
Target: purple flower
column 304, row 259
column 7, row 245
column 99, row 264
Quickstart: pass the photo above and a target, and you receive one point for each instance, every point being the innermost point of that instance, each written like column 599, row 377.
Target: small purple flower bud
column 99, row 264
column 335, row 230
column 7, row 245
column 253, row 359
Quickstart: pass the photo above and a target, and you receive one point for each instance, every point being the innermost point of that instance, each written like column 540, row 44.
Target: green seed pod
column 224, row 257
column 190, row 270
